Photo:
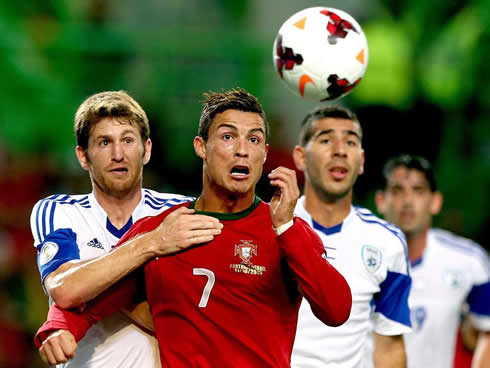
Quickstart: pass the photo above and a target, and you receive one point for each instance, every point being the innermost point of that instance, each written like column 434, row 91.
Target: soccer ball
column 320, row 53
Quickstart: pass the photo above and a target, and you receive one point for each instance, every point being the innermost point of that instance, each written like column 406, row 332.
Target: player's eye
column 255, row 139
column 396, row 191
column 128, row 140
column 324, row 141
column 104, row 142
column 351, row 143
column 227, row 136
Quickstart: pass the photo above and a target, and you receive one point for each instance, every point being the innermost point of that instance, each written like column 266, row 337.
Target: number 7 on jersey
column 209, row 284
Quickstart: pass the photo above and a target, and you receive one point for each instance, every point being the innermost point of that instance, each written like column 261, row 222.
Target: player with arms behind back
column 448, row 271
column 74, row 234
column 231, row 302
column 370, row 253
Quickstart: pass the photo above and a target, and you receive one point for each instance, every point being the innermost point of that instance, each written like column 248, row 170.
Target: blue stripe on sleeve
column 68, row 250
column 479, row 299
column 37, row 223
column 392, row 300
column 43, row 217
column 51, row 218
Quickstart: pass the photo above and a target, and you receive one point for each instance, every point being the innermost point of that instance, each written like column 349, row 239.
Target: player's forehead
column 237, row 120
column 334, row 125
column 402, row 176
column 109, row 126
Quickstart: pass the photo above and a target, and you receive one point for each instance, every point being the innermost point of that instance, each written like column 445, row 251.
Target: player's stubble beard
column 117, row 188
column 328, row 192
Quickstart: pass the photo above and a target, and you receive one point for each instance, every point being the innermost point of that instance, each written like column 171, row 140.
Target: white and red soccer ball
column 320, row 53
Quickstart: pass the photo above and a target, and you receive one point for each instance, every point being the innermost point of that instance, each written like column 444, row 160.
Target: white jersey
column 452, row 271
column 71, row 227
column 372, row 256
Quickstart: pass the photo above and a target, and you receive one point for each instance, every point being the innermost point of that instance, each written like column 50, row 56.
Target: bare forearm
column 140, row 314
column 73, row 284
column 481, row 357
column 389, row 352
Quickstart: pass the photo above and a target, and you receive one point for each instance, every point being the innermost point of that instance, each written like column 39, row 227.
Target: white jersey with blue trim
column 75, row 227
column 372, row 256
column 453, row 274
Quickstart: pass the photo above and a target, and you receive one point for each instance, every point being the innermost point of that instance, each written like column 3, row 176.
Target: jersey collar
column 101, row 213
column 228, row 216
column 301, row 211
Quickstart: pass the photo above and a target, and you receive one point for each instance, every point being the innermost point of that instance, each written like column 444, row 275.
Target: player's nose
column 117, row 152
column 241, row 148
column 339, row 148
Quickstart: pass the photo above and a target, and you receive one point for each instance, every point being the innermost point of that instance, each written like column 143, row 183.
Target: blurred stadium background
column 426, row 91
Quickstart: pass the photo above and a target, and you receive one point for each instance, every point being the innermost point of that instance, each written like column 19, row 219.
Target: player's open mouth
column 338, row 172
column 239, row 171
column 120, row 170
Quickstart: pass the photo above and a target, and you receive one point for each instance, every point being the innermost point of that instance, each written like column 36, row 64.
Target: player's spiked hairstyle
column 410, row 162
column 117, row 104
column 235, row 99
column 320, row 112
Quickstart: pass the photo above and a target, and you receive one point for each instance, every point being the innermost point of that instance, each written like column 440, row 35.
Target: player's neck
column 327, row 213
column 224, row 202
column 417, row 242
column 119, row 208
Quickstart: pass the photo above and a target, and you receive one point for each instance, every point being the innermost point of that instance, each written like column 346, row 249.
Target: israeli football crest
column 371, row 257
column 454, row 279
column 47, row 252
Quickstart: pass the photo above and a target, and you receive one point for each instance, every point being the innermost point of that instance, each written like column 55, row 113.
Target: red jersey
column 234, row 301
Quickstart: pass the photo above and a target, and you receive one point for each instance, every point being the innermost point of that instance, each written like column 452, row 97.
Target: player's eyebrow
column 330, row 131
column 227, row 125
column 256, row 130
column 235, row 129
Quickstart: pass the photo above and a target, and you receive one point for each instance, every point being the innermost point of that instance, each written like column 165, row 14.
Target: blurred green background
column 426, row 91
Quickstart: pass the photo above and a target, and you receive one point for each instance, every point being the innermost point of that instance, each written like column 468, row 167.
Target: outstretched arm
column 73, row 284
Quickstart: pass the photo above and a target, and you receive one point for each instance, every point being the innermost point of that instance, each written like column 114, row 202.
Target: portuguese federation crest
column 245, row 250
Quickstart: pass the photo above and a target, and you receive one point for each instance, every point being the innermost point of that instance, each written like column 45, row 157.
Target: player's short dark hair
column 235, row 99
column 410, row 162
column 117, row 104
column 320, row 112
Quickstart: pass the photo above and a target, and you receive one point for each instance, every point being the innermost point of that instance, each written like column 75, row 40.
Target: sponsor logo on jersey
column 47, row 253
column 246, row 250
column 95, row 243
column 371, row 257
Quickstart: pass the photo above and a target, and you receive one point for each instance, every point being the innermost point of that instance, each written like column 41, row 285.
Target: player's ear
column 299, row 158
column 82, row 157
column 266, row 152
column 147, row 155
column 379, row 198
column 436, row 203
column 363, row 159
column 200, row 147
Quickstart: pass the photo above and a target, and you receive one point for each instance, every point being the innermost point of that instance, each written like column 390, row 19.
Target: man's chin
column 337, row 193
column 239, row 190
column 119, row 189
